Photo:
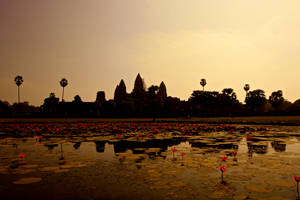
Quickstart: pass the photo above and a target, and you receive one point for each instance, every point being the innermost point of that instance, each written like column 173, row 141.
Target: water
column 163, row 165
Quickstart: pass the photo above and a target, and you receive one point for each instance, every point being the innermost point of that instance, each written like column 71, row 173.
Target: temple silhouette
column 154, row 102
column 141, row 102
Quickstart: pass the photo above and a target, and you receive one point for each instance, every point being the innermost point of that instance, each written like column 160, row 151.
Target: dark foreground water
column 163, row 165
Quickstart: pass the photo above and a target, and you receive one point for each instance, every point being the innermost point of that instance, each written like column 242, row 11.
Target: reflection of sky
column 293, row 147
column 38, row 152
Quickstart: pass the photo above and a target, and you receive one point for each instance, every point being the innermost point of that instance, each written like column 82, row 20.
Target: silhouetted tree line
column 154, row 102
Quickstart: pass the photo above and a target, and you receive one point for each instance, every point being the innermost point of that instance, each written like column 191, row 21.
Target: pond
column 149, row 161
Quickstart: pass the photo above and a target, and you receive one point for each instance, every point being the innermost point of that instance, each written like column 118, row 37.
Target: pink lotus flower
column 297, row 179
column 224, row 158
column 222, row 169
column 174, row 150
column 22, row 155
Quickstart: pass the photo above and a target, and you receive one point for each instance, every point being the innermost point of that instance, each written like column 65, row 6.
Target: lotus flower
column 222, row 169
column 224, row 158
column 297, row 179
column 182, row 154
column 22, row 155
column 174, row 150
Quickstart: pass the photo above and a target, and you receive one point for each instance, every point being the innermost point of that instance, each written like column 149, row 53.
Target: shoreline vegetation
column 250, row 120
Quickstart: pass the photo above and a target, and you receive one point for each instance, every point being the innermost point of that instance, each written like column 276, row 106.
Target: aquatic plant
column 234, row 153
column 297, row 179
column 182, row 154
column 22, row 155
column 224, row 158
column 222, row 169
column 173, row 151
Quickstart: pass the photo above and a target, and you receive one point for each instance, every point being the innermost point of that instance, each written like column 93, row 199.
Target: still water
column 259, row 165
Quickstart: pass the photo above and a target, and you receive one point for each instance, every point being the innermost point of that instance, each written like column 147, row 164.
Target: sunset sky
column 96, row 43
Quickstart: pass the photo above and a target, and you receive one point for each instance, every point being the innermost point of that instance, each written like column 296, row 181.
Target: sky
column 96, row 43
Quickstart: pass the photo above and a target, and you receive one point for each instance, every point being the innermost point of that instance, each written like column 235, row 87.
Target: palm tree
column 19, row 80
column 203, row 83
column 247, row 88
column 63, row 83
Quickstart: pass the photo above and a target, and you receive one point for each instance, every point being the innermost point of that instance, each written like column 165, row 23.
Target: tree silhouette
column 203, row 83
column 228, row 92
column 63, row 83
column 77, row 99
column 247, row 88
column 153, row 90
column 50, row 106
column 276, row 99
column 255, row 99
column 19, row 80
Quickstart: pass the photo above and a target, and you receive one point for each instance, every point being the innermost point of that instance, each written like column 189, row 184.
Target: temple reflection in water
column 162, row 145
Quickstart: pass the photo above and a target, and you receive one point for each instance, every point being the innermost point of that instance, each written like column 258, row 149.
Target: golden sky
column 96, row 43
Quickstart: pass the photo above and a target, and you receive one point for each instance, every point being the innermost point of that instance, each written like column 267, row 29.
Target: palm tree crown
column 19, row 80
column 247, row 87
column 63, row 82
column 203, row 83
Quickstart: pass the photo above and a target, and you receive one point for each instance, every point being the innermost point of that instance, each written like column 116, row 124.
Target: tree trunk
column 62, row 98
column 18, row 94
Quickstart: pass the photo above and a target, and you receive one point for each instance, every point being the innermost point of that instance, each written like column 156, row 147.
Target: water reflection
column 218, row 146
column 258, row 148
column 50, row 146
column 61, row 159
column 155, row 147
column 152, row 148
column 100, row 146
column 278, row 146
column 76, row 145
column 161, row 159
column 138, row 147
